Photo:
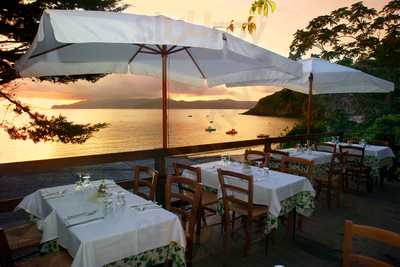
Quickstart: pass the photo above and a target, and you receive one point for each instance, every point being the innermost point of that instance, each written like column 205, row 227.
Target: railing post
column 267, row 146
column 160, row 164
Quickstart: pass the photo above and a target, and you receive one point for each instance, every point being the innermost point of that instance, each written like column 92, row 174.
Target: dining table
column 280, row 192
column 375, row 157
column 115, row 228
column 321, row 159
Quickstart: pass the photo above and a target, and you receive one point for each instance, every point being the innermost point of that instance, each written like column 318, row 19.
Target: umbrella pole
column 309, row 109
column 164, row 54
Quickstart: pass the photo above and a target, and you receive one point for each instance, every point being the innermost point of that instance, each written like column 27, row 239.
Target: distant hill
column 287, row 103
column 156, row 103
column 284, row 103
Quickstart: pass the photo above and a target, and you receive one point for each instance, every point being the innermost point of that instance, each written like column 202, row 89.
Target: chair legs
column 226, row 230
column 267, row 243
column 247, row 226
column 233, row 221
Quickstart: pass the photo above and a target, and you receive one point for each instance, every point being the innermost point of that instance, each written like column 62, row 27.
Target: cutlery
column 54, row 193
column 140, row 205
column 86, row 213
column 148, row 208
column 86, row 221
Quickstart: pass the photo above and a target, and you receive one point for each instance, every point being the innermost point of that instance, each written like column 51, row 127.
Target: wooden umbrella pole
column 309, row 109
column 164, row 54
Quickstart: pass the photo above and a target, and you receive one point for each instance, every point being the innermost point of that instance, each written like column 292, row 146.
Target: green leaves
column 258, row 7
column 355, row 32
column 262, row 7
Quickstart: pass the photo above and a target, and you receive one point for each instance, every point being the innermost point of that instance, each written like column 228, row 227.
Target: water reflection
column 135, row 129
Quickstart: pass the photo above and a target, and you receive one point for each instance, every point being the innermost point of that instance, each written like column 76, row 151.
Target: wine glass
column 86, row 181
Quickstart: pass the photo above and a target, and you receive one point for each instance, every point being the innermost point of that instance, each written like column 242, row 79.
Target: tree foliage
column 357, row 33
column 258, row 7
column 19, row 20
column 362, row 38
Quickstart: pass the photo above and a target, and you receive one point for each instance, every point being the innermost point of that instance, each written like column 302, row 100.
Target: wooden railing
column 46, row 165
column 159, row 155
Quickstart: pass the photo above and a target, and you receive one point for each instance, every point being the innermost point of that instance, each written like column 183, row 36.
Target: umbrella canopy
column 319, row 77
column 95, row 42
column 328, row 78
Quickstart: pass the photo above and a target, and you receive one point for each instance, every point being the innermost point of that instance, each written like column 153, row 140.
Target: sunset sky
column 274, row 33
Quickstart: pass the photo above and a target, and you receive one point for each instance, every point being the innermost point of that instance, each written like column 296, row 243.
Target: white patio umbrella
column 94, row 42
column 319, row 77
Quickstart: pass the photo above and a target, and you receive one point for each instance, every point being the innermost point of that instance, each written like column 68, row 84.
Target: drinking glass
column 86, row 181
column 259, row 164
column 108, row 204
column 266, row 170
column 363, row 142
column 78, row 186
column 120, row 199
column 223, row 159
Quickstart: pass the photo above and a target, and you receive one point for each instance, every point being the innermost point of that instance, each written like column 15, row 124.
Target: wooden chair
column 297, row 166
column 207, row 198
column 23, row 236
column 239, row 199
column 352, row 158
column 60, row 259
column 149, row 182
column 349, row 258
column 188, row 213
column 332, row 181
column 325, row 147
column 274, row 158
column 254, row 156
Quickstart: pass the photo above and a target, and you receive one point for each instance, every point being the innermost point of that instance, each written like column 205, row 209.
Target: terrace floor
column 318, row 245
column 320, row 242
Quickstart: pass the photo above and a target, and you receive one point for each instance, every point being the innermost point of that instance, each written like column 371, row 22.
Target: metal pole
column 309, row 109
column 164, row 54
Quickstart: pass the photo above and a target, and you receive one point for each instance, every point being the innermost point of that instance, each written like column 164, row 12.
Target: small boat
column 231, row 131
column 262, row 136
column 210, row 129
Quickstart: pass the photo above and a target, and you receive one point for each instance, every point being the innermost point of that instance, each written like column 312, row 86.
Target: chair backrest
column 297, row 166
column 335, row 167
column 190, row 211
column 6, row 259
column 274, row 158
column 237, row 189
column 180, row 168
column 352, row 155
column 254, row 156
column 373, row 233
column 145, row 178
column 379, row 143
column 325, row 147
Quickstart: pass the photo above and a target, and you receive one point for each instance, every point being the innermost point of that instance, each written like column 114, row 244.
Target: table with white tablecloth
column 320, row 159
column 124, row 236
column 281, row 192
column 375, row 157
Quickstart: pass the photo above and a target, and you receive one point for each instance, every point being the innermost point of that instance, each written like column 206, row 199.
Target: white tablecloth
column 269, row 189
column 318, row 157
column 123, row 233
column 380, row 152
